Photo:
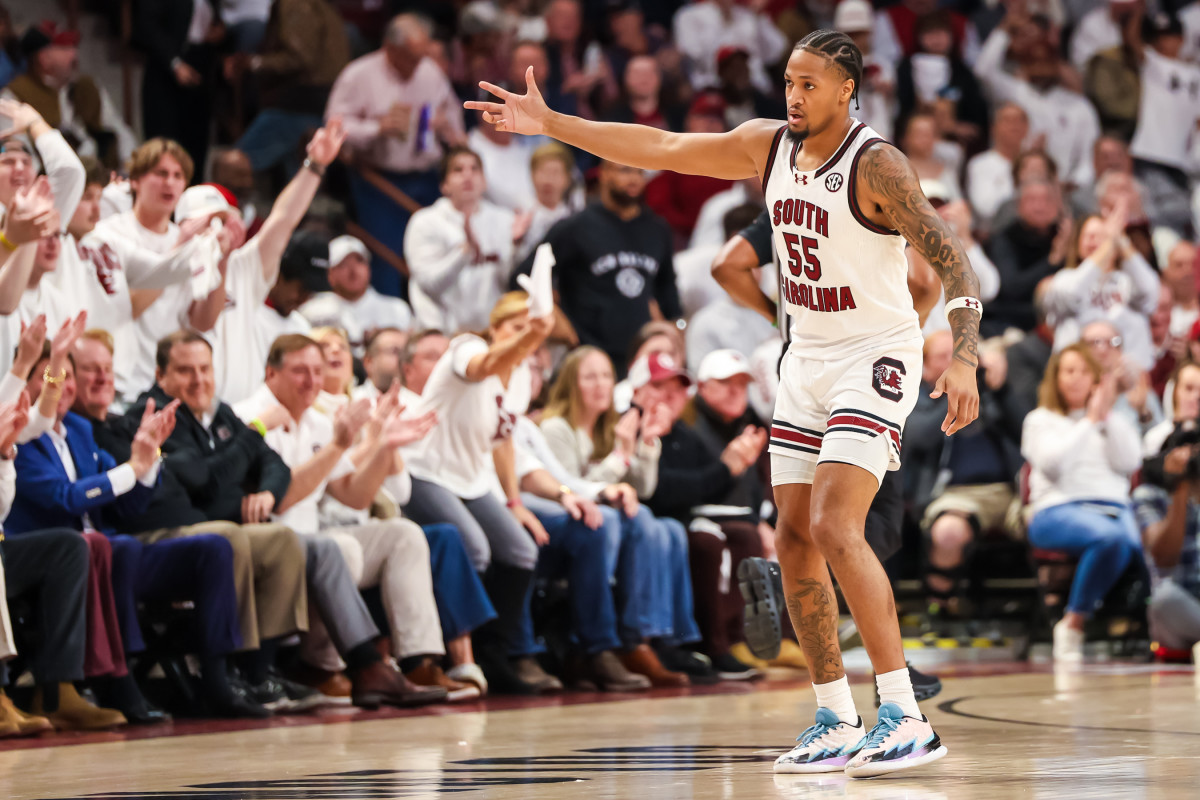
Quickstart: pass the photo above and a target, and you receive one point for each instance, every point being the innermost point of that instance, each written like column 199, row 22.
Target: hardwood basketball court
column 1107, row 731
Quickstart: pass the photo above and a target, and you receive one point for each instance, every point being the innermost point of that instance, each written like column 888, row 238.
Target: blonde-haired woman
column 1081, row 455
column 593, row 442
column 338, row 377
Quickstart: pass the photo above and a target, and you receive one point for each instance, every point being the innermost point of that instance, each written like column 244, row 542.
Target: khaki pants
column 268, row 575
column 392, row 554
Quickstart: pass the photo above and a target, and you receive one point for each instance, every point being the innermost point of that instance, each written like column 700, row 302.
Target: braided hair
column 839, row 49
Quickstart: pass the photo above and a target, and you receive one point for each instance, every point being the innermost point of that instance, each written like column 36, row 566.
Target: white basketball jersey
column 843, row 279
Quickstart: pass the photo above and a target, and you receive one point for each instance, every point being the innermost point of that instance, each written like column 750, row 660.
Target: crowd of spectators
column 290, row 358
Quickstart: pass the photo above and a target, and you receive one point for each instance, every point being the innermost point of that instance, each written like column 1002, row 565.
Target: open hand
column 326, row 142
column 516, row 113
column 350, row 420
column 23, row 116
column 29, row 346
column 32, row 215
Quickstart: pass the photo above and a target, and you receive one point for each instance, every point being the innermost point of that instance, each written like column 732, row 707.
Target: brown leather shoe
column 381, row 683
column 530, row 671
column 610, row 675
column 27, row 724
column 9, row 726
column 333, row 685
column 76, row 714
column 430, row 674
column 643, row 661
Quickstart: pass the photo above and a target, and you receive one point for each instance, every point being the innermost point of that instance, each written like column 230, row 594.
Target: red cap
column 64, row 38
column 708, row 104
column 654, row 368
column 228, row 195
column 729, row 51
column 1194, row 335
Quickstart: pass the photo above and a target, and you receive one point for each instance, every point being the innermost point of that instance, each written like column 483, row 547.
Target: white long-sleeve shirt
column 1095, row 32
column 1126, row 297
column 1073, row 458
column 452, row 288
column 1067, row 119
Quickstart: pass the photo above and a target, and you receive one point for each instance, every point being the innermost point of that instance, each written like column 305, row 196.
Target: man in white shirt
column 353, row 304
column 1179, row 276
column 1052, row 107
column 989, row 174
column 1168, row 111
column 246, row 327
column 506, row 161
column 159, row 172
column 704, row 27
column 382, row 362
column 392, row 554
column 459, row 250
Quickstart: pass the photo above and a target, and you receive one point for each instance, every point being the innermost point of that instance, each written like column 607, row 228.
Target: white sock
column 836, row 696
column 896, row 687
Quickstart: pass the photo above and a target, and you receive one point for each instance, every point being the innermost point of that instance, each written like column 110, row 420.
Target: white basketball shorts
column 850, row 411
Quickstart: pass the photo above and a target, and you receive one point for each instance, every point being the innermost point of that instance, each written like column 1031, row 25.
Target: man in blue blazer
column 64, row 480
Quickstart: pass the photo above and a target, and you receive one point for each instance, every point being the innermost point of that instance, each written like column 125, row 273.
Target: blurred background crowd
column 278, row 428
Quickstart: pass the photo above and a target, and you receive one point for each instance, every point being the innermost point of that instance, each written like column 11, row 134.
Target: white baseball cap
column 200, row 201
column 722, row 364
column 853, row 16
column 343, row 246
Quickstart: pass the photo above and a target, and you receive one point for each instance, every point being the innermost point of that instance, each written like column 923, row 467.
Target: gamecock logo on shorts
column 886, row 378
column 833, row 181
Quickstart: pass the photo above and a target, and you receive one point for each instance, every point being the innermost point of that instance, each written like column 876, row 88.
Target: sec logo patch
column 833, row 181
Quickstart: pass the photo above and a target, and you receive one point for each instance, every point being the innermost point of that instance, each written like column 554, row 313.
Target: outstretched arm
column 891, row 192
column 740, row 153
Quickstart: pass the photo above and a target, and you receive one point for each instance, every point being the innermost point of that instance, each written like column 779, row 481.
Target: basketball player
column 842, row 203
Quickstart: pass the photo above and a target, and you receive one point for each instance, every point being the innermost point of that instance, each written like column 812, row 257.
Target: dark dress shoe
column 698, row 668
column 502, row 678
column 146, row 715
column 643, row 660
column 238, row 703
column 611, row 675
column 383, row 684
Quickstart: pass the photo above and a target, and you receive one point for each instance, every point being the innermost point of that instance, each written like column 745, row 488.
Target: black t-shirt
column 607, row 270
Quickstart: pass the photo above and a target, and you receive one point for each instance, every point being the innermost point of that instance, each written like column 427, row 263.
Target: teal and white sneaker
column 896, row 742
column 827, row 746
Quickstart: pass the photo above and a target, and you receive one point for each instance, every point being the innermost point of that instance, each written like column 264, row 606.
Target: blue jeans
column 585, row 555
column 198, row 568
column 654, row 581
column 274, row 138
column 386, row 221
column 462, row 602
column 1105, row 544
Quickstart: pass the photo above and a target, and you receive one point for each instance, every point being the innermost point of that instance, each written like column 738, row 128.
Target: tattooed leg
column 841, row 498
column 811, row 603
column 812, row 606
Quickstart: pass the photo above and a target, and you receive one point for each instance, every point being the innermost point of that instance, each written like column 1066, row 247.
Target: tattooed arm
column 890, row 194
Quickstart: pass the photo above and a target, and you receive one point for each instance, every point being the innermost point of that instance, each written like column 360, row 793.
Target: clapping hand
column 32, row 214
column 349, row 421
column 13, row 419
column 29, row 346
column 658, row 422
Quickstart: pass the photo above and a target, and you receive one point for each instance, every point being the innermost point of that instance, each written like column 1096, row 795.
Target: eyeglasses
column 1115, row 342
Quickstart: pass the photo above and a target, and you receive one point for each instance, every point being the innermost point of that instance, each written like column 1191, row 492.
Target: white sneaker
column 824, row 747
column 469, row 673
column 896, row 742
column 1068, row 643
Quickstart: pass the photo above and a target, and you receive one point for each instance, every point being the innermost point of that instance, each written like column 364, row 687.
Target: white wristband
column 970, row 303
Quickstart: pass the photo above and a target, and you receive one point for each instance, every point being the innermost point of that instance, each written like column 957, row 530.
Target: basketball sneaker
column 896, row 742
column 827, row 746
column 761, row 584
